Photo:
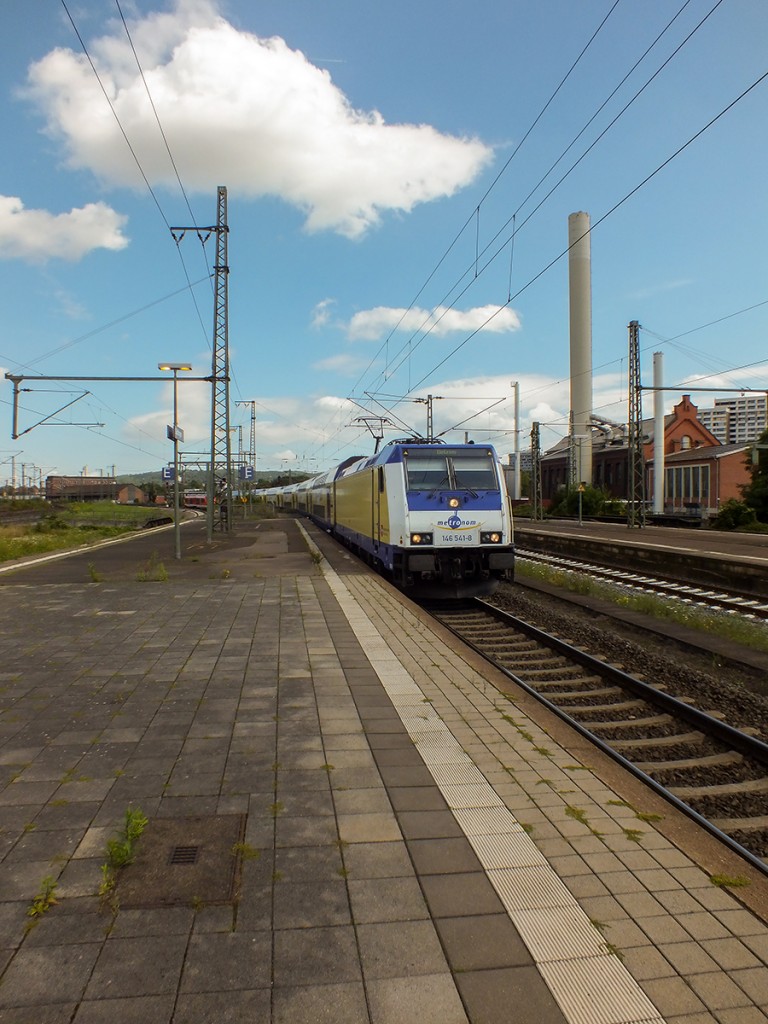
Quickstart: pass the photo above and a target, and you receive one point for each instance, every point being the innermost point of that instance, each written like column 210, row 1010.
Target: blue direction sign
column 168, row 473
column 246, row 473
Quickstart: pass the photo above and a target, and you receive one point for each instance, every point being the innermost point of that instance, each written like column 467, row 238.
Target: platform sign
column 168, row 473
column 246, row 473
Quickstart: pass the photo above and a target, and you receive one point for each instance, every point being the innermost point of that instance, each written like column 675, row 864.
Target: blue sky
column 378, row 159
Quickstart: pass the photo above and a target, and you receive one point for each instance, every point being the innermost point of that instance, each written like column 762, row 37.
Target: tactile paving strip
column 590, row 984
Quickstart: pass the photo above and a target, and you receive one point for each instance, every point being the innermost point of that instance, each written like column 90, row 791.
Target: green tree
column 733, row 515
column 755, row 493
column 151, row 488
column 566, row 503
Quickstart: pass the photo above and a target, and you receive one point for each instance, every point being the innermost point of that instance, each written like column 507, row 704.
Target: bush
column 734, row 515
column 593, row 502
column 50, row 523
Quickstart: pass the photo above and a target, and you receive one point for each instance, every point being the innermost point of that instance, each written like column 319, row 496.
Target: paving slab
column 402, row 858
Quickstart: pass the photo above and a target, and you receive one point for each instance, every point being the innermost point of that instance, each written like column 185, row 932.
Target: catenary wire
column 517, row 228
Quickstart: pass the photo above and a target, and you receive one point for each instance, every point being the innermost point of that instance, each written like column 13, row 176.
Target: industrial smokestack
column 658, row 434
column 580, row 294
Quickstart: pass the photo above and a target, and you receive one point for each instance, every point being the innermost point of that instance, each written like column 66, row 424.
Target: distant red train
column 195, row 499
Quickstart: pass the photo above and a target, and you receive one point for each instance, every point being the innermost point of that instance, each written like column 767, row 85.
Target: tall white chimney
column 580, row 294
column 658, row 434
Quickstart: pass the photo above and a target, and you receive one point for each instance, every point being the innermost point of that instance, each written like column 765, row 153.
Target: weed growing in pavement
column 726, row 882
column 246, row 851
column 107, row 884
column 645, row 816
column 634, row 835
column 44, row 899
column 648, row 817
column 577, row 814
column 96, row 577
column 153, row 572
column 120, row 850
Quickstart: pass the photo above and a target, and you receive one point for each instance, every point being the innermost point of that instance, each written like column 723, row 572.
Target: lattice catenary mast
column 220, row 467
column 636, row 496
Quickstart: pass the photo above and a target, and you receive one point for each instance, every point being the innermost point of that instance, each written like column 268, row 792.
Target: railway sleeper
column 745, row 825
column 565, row 673
column 727, row 759
column 747, row 787
column 579, row 692
column 528, row 656
column 659, row 742
column 631, row 711
column 480, row 624
column 525, row 651
column 623, row 724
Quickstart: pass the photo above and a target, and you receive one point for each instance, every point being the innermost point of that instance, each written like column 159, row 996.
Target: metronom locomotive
column 433, row 517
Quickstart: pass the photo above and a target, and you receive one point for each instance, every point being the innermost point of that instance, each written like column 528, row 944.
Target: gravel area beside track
column 722, row 689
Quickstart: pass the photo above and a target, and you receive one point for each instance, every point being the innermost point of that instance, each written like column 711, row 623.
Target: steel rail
column 726, row 734
column 722, row 599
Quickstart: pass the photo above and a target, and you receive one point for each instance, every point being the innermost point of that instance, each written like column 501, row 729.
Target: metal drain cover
column 183, row 860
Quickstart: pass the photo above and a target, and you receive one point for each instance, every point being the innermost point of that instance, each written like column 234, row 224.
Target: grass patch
column 120, row 850
column 21, row 541
column 153, row 572
column 44, row 899
column 726, row 882
column 246, row 851
column 735, row 628
column 77, row 525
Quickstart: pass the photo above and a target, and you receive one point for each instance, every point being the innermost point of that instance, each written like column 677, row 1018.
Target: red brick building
column 80, row 488
column 700, row 472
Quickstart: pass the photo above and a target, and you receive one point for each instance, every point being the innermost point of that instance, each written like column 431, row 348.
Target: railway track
column 9, row 517
column 727, row 602
column 716, row 774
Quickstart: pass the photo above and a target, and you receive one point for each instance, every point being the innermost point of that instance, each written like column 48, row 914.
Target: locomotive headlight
column 490, row 538
column 421, row 538
column 453, row 503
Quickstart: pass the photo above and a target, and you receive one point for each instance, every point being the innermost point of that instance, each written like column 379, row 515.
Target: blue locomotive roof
column 398, row 451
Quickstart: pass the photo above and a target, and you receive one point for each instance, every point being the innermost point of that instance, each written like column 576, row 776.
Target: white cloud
column 372, row 324
column 194, row 412
column 659, row 288
column 37, row 235
column 343, row 363
column 321, row 314
column 245, row 110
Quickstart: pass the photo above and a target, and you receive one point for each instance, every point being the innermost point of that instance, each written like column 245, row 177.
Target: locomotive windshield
column 452, row 469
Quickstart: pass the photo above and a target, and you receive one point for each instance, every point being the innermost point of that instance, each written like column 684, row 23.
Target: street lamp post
column 175, row 434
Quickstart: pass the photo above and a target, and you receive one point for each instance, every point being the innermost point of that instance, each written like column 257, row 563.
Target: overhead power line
column 472, row 272
column 600, row 220
column 490, row 188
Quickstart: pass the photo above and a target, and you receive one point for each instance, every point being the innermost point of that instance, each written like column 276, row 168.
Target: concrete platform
column 416, row 845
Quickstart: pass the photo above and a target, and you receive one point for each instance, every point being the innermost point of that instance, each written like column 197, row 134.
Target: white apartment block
column 737, row 420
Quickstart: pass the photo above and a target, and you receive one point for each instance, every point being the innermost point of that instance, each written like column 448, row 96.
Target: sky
column 399, row 179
